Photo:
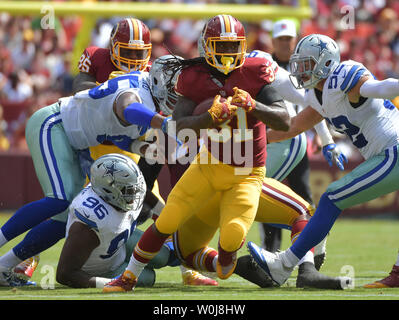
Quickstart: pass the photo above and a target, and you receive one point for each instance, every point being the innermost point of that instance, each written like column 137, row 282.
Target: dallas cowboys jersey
column 112, row 227
column 88, row 116
column 372, row 124
column 283, row 84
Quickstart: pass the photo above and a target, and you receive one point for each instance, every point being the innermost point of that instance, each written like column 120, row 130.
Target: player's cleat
column 194, row 278
column 10, row 279
column 392, row 281
column 25, row 269
column 224, row 272
column 124, row 283
column 271, row 263
column 248, row 269
column 309, row 277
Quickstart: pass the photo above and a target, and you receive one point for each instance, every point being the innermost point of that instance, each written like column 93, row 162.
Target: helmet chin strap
column 226, row 61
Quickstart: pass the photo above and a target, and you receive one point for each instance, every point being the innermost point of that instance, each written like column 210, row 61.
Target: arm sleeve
column 136, row 113
column 323, row 132
column 385, row 89
column 284, row 85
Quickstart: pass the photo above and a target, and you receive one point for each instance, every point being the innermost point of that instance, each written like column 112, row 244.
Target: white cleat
column 271, row 263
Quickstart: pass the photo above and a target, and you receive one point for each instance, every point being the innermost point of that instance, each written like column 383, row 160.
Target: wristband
column 323, row 133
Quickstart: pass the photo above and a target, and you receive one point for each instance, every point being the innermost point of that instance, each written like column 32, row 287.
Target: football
column 205, row 105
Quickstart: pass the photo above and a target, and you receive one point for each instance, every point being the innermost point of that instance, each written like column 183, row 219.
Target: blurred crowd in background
column 35, row 63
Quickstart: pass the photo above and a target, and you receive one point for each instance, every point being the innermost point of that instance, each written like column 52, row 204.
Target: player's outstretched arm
column 78, row 246
column 303, row 121
column 129, row 109
column 370, row 88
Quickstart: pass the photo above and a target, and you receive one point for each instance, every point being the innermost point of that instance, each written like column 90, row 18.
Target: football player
column 101, row 226
column 221, row 69
column 129, row 50
column 278, row 205
column 120, row 110
column 347, row 95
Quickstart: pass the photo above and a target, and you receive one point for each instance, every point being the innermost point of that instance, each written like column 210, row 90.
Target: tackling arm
column 182, row 114
column 303, row 121
column 77, row 248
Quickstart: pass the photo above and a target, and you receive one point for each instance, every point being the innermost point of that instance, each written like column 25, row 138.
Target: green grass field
column 368, row 247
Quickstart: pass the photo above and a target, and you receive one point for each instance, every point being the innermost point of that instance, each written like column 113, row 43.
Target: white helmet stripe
column 131, row 30
column 227, row 24
column 222, row 25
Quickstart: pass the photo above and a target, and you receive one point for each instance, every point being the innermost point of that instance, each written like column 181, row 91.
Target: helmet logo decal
column 321, row 45
column 110, row 169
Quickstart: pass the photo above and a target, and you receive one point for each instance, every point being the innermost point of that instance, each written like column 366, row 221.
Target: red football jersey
column 246, row 147
column 97, row 62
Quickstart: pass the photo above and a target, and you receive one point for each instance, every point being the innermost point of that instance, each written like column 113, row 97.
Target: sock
column 202, row 260
column 9, row 260
column 31, row 215
column 40, row 238
column 308, row 257
column 317, row 228
column 147, row 248
column 226, row 258
column 296, row 230
column 136, row 267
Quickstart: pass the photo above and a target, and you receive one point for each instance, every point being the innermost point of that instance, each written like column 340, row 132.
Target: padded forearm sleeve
column 323, row 132
column 136, row 113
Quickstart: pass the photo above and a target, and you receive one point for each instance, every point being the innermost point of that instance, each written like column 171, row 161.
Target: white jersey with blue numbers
column 283, row 84
column 372, row 126
column 88, row 116
column 112, row 227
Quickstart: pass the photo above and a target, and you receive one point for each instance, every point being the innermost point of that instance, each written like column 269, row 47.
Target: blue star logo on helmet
column 321, row 45
column 110, row 169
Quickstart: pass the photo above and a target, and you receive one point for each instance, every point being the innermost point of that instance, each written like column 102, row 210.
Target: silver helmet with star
column 315, row 58
column 118, row 181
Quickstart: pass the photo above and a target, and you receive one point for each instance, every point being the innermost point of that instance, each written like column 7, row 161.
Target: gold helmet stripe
column 137, row 29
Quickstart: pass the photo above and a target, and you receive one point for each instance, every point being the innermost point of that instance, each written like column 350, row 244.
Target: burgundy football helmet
column 130, row 45
column 223, row 43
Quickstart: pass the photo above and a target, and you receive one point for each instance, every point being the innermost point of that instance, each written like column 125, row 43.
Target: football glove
column 332, row 153
column 222, row 111
column 243, row 100
column 170, row 129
